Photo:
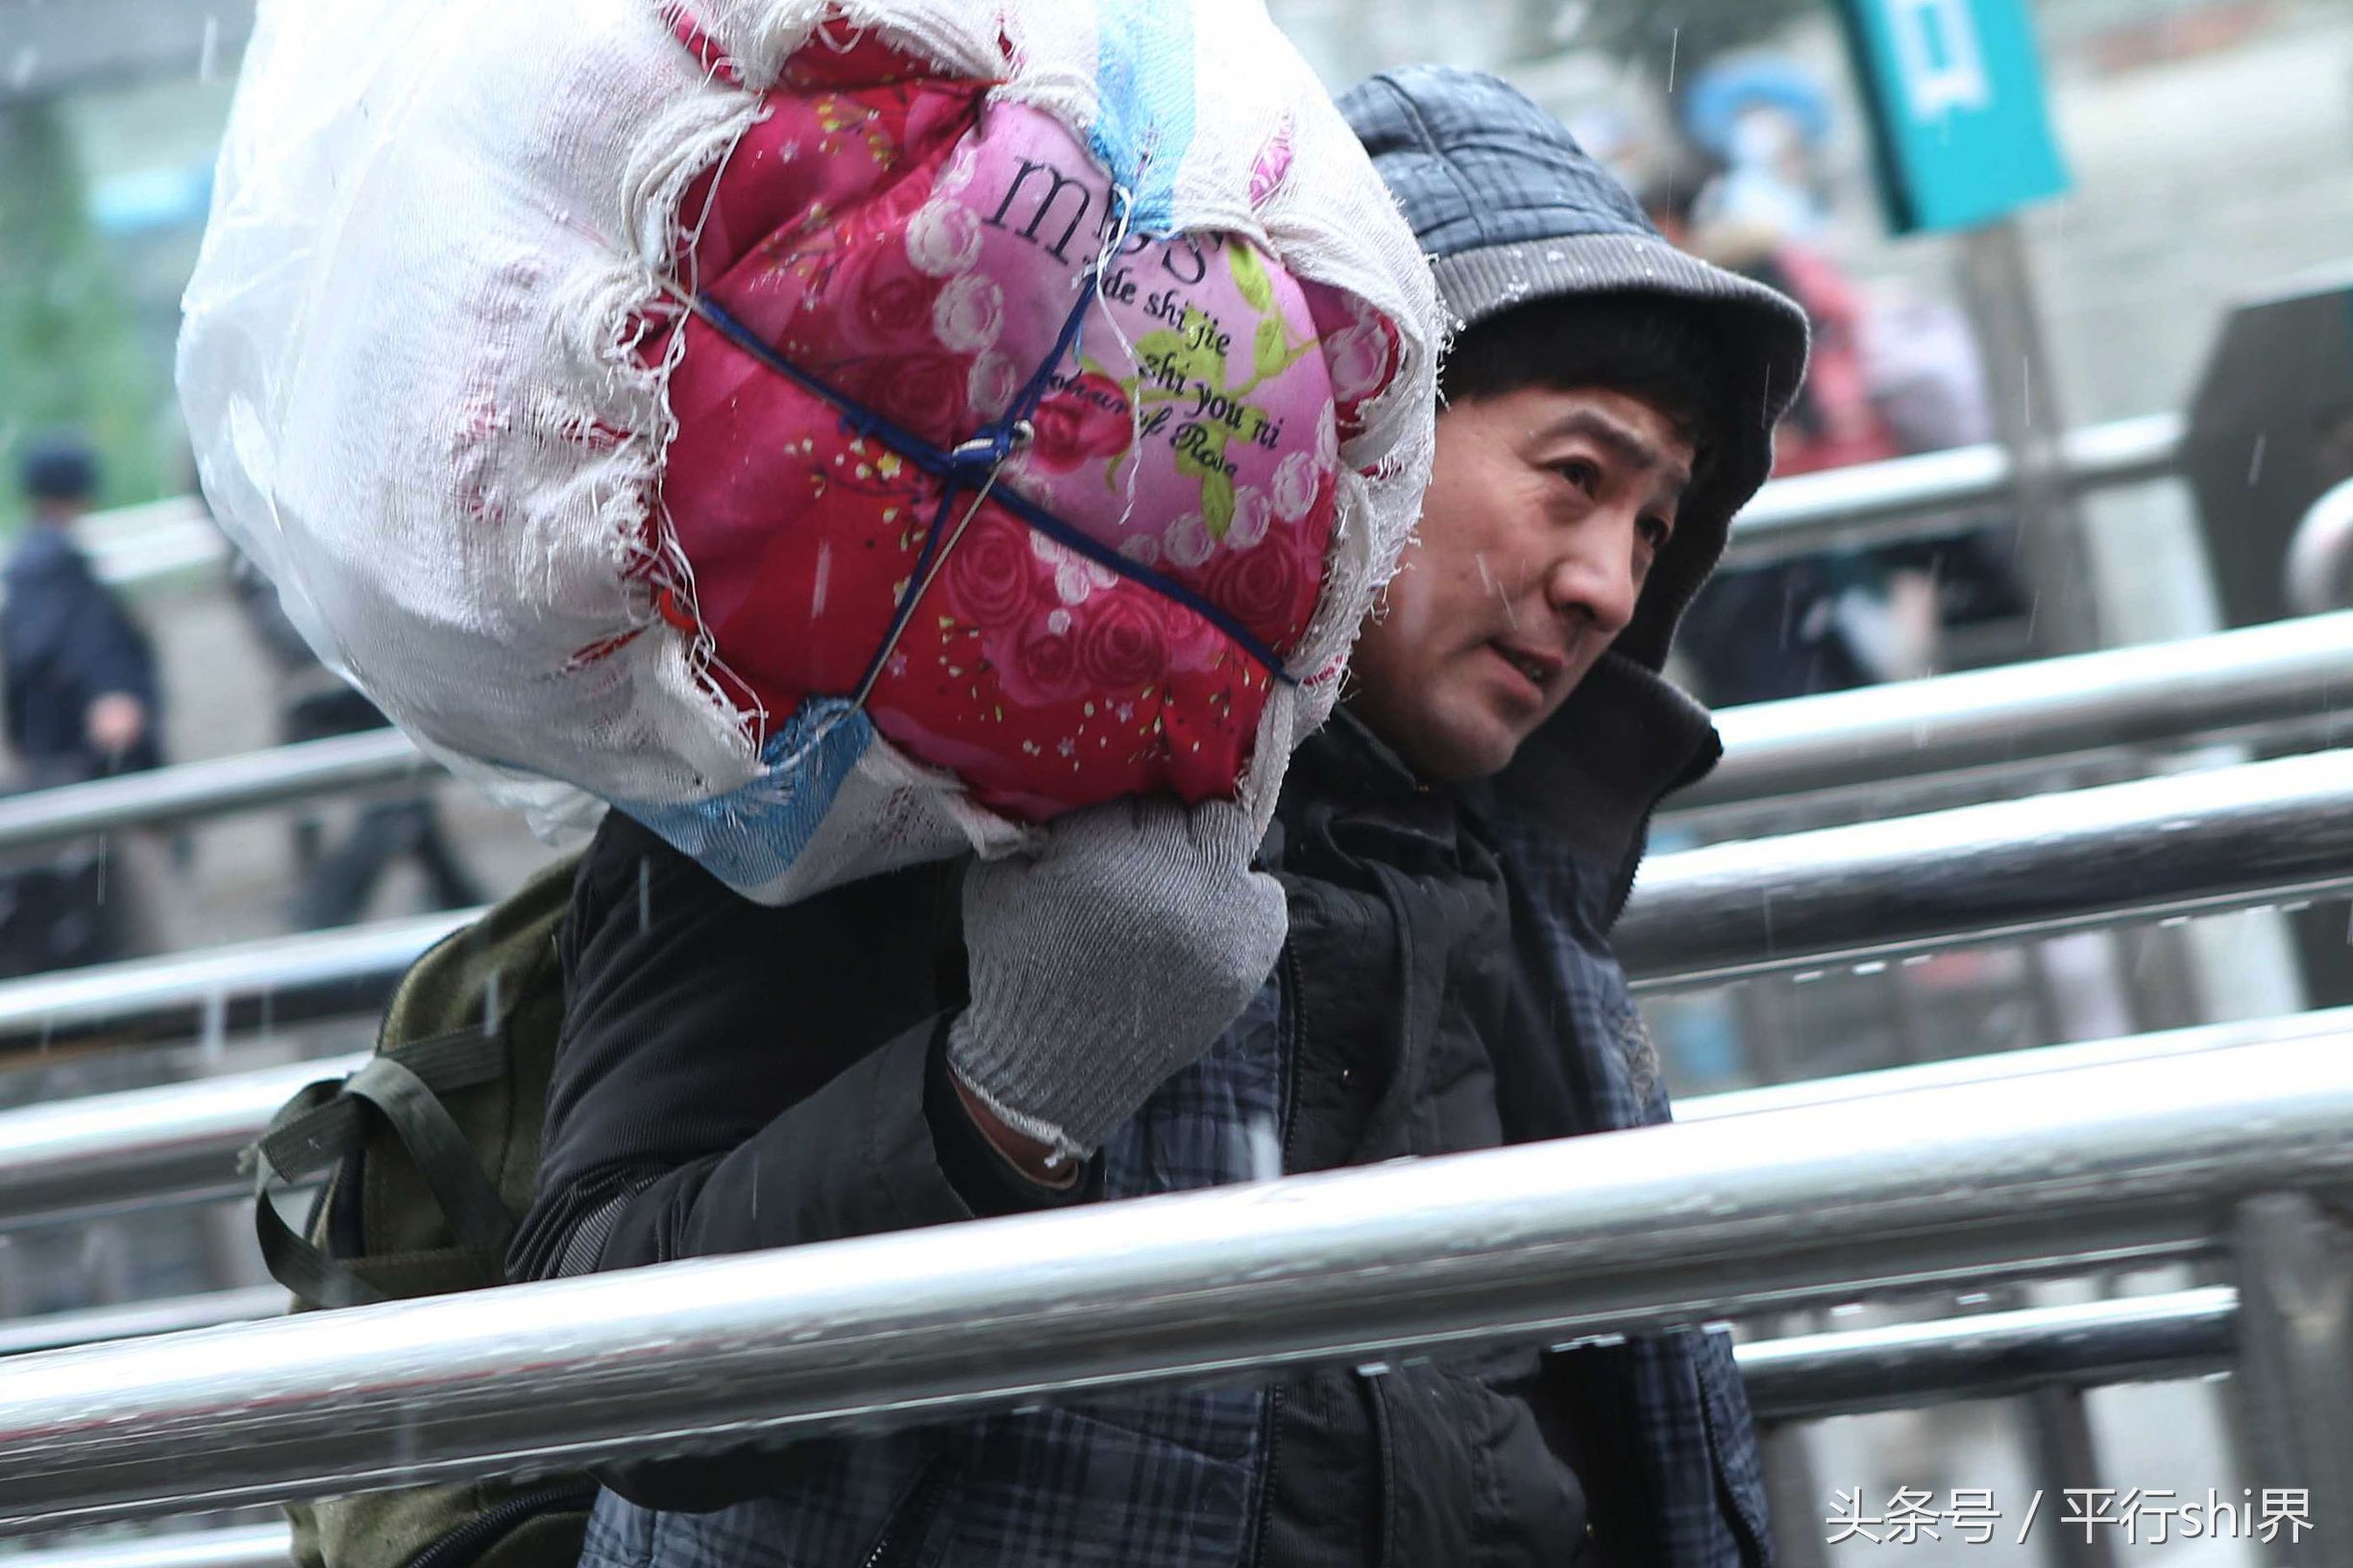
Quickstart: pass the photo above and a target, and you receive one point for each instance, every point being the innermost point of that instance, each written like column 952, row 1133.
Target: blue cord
column 968, row 465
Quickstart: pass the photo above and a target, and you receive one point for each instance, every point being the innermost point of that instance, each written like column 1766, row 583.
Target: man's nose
column 1597, row 575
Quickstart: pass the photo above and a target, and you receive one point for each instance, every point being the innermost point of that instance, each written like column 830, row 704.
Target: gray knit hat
column 1512, row 212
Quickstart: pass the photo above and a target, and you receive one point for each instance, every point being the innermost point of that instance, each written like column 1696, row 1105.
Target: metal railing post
column 1793, row 1496
column 2319, row 570
column 2296, row 1343
column 2065, row 1458
column 1996, row 277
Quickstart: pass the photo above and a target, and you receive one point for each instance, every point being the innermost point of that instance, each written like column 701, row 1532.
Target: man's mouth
column 1538, row 668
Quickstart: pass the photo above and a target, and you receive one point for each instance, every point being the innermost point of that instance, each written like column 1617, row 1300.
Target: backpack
column 430, row 1152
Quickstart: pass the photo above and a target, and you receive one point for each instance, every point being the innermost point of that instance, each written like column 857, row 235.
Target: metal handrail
column 2115, row 1165
column 2256, row 682
column 1877, row 500
column 137, row 1320
column 2155, row 1338
column 2222, row 838
column 2226, row 837
column 341, row 765
column 101, row 1154
column 134, row 1149
column 276, row 978
column 132, row 546
column 104, row 1154
column 254, row 1546
column 2261, row 681
column 2013, row 1067
column 2140, row 1339
column 2160, row 1338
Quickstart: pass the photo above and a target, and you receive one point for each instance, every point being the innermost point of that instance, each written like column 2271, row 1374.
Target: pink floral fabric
column 889, row 231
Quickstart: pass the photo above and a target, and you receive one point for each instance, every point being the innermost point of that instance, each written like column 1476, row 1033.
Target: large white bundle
column 414, row 367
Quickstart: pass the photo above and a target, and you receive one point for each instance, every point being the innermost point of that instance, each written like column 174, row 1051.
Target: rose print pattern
column 944, row 238
column 1084, row 419
column 969, row 314
column 884, row 237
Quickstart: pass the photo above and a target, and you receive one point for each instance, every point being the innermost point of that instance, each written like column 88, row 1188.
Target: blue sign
column 1955, row 91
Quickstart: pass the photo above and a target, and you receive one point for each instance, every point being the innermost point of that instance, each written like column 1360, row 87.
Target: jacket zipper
column 902, row 1533
column 465, row 1544
column 1294, row 1033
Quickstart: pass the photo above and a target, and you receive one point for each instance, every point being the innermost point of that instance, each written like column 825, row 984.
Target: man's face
column 1544, row 513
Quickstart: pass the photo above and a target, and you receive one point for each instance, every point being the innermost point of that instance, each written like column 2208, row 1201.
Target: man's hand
column 114, row 723
column 1106, row 962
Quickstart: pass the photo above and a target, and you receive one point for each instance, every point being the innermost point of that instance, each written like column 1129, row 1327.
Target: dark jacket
column 735, row 1077
column 64, row 642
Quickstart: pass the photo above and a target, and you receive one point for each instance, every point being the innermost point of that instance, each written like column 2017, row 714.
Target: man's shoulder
column 46, row 550
column 631, row 874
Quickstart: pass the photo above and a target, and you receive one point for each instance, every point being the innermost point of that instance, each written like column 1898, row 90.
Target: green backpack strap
column 327, row 1121
column 430, row 1151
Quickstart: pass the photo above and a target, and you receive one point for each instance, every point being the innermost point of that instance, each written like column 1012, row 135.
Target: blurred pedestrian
column 82, row 702
column 1831, row 620
column 314, row 702
column 81, row 696
column 1766, row 120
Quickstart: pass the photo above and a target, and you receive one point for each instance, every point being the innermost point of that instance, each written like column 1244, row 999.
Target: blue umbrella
column 1726, row 90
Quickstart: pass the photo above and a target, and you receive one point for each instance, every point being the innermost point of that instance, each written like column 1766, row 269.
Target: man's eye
column 1581, row 474
column 1656, row 531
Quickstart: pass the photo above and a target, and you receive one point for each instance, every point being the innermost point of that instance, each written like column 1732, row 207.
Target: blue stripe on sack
column 948, row 466
column 750, row 836
column 1144, row 75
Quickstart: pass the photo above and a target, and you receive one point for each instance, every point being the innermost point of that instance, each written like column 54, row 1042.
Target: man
column 81, row 704
column 1452, row 850
column 82, row 700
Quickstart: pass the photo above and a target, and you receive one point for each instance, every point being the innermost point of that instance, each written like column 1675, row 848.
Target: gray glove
column 1108, row 961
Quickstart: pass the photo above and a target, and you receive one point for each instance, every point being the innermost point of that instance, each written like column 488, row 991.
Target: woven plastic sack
column 839, row 435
